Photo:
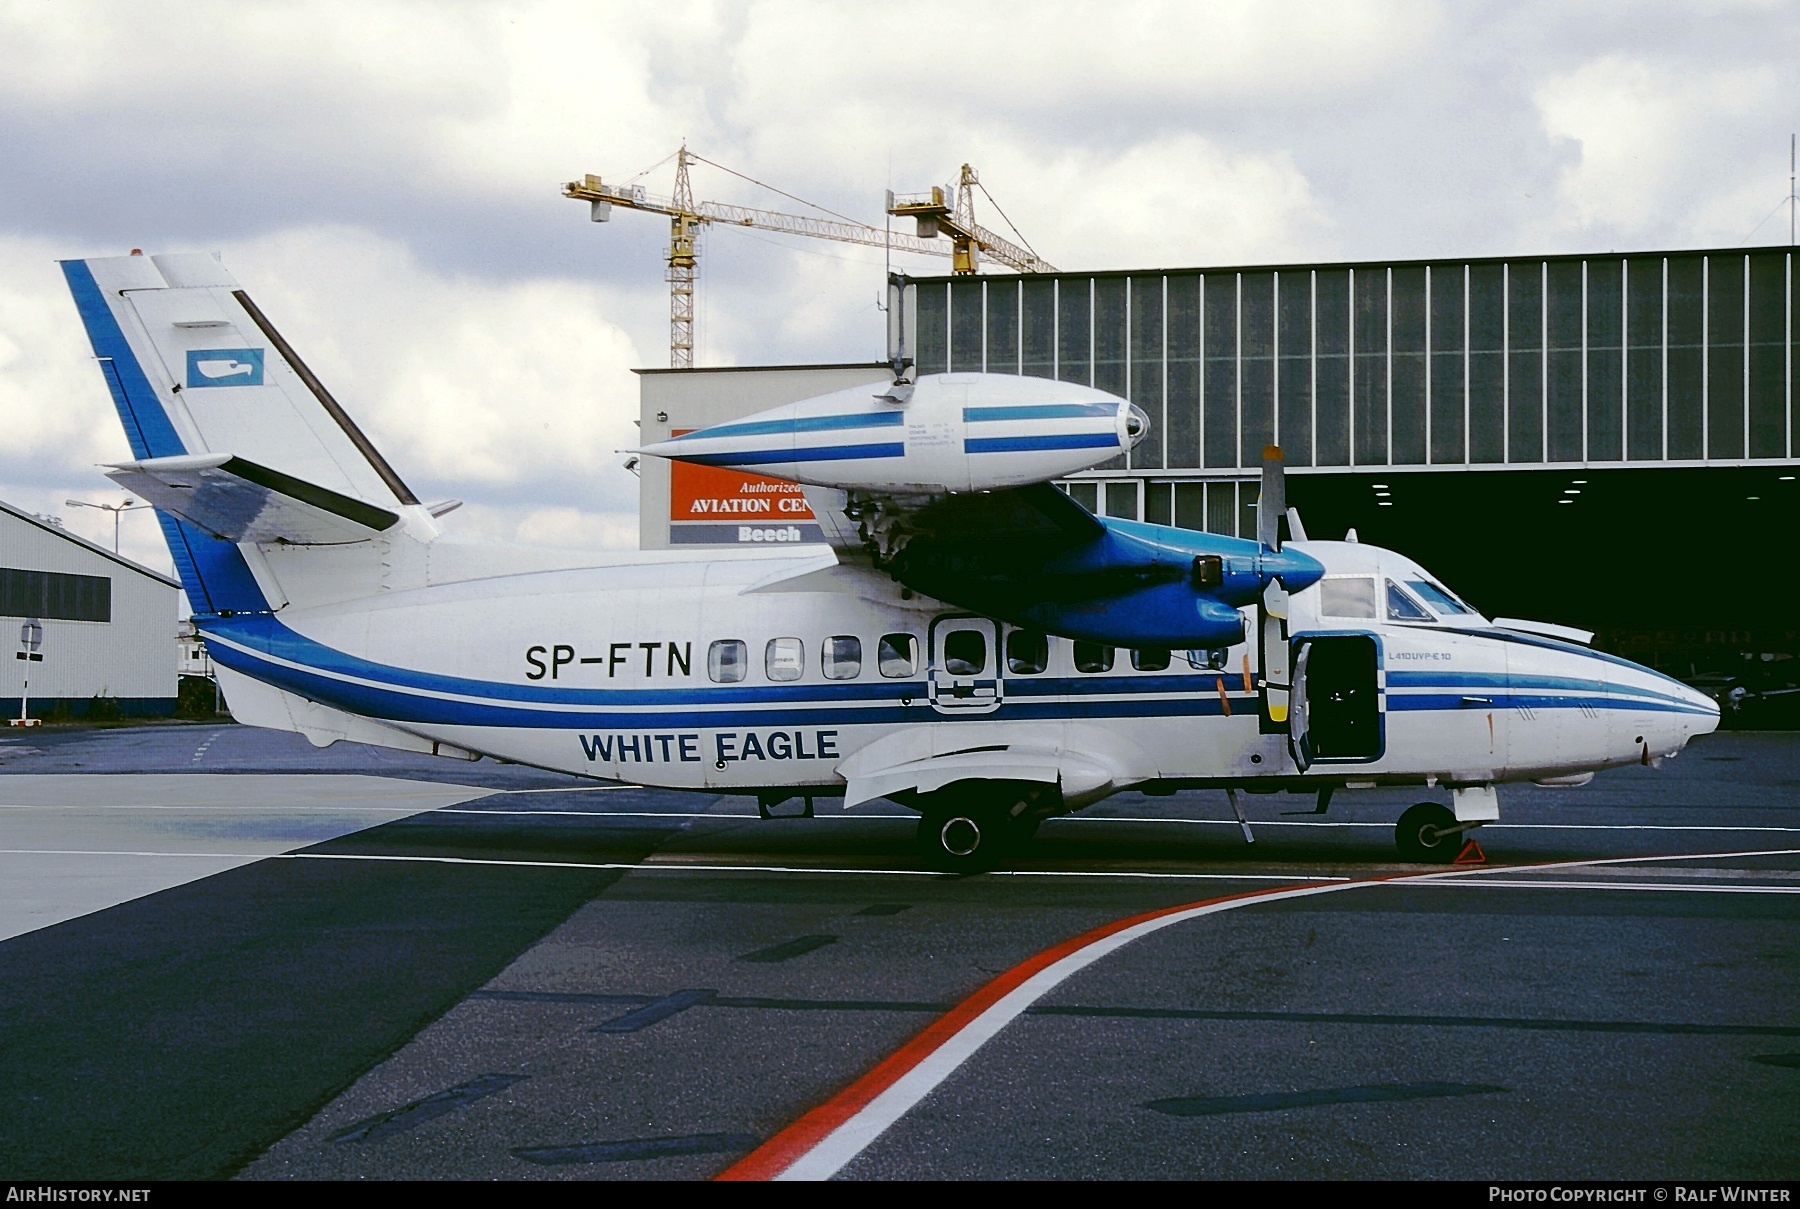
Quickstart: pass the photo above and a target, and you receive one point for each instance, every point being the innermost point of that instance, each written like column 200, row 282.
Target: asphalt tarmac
column 352, row 963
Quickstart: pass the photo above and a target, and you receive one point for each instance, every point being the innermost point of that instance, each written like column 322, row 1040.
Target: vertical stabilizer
column 194, row 367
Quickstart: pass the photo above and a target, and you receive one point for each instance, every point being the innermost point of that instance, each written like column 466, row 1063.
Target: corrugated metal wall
column 130, row 658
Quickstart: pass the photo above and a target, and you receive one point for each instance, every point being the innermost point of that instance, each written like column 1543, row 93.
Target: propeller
column 1271, row 506
column 1271, row 503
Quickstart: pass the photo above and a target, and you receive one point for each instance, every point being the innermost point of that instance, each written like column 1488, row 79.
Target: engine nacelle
column 947, row 432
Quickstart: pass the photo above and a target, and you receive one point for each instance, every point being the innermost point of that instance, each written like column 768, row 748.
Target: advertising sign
column 713, row 506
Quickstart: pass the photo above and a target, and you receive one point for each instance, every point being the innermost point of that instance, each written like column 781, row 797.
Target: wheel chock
column 1471, row 854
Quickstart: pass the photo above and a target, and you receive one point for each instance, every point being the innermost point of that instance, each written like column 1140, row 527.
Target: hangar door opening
column 1338, row 714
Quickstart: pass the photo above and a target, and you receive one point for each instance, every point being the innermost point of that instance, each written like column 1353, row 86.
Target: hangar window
column 1150, row 658
column 897, row 656
column 965, row 652
column 784, row 658
column 726, row 661
column 1093, row 657
column 1027, row 652
column 841, row 657
column 55, row 594
column 1347, row 596
column 1402, row 607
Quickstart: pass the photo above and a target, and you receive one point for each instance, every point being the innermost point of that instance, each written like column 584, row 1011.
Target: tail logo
column 224, row 367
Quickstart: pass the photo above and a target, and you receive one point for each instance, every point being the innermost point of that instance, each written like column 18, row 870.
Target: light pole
column 115, row 509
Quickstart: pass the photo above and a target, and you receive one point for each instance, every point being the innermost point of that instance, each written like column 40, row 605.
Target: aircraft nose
column 1690, row 713
column 1706, row 717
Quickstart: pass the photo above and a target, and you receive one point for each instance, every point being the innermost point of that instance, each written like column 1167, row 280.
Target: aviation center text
column 551, row 660
column 728, row 746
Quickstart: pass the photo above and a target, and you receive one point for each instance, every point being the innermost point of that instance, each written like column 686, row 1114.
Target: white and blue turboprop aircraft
column 972, row 643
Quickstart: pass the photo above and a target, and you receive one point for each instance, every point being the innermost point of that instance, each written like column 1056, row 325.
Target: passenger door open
column 1339, row 711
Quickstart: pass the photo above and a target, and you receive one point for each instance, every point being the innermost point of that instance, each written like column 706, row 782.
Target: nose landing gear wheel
column 1426, row 834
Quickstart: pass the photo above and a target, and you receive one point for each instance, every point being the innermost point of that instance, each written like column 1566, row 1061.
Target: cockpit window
column 1438, row 598
column 1402, row 607
column 1347, row 596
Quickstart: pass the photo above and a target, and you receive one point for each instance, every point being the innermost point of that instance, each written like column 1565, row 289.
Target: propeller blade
column 1271, row 503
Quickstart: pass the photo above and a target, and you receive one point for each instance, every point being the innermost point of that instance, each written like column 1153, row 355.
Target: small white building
column 108, row 625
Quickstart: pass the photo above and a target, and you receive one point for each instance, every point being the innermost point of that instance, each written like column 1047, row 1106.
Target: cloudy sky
column 384, row 177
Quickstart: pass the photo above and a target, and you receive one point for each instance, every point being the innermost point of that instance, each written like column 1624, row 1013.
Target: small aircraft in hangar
column 971, row 643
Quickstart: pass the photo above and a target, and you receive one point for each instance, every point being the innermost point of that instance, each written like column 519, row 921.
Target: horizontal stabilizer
column 240, row 501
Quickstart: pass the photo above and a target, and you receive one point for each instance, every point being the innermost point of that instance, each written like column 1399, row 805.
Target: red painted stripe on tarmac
column 781, row 1151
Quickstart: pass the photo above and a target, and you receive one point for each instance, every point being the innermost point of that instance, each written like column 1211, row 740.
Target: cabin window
column 784, row 658
column 1438, row 598
column 1347, row 596
column 1093, row 657
column 1150, row 658
column 1212, row 659
column 726, row 661
column 897, row 656
column 1027, row 652
column 841, row 657
column 1402, row 607
column 965, row 652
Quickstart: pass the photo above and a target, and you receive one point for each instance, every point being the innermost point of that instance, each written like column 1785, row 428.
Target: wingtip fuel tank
column 949, row 433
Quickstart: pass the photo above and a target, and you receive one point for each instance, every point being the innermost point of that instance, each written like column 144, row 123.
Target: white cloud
column 1179, row 200
column 512, row 388
column 382, row 175
column 1658, row 145
column 460, row 381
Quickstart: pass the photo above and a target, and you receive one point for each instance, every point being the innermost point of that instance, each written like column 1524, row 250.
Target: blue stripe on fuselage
column 405, row 695
column 880, row 419
column 1515, row 683
column 1039, row 411
column 1065, row 440
column 773, row 457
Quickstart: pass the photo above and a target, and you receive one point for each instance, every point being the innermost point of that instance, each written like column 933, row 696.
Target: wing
column 955, row 502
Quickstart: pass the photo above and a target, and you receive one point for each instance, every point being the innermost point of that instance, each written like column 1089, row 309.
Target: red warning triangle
column 1470, row 855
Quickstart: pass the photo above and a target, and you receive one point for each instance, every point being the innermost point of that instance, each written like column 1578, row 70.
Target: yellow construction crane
column 937, row 212
column 686, row 216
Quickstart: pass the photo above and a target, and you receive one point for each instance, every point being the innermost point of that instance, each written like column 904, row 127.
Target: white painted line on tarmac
column 1261, row 823
column 1230, row 823
column 664, row 865
column 825, row 1140
column 571, row 789
column 1590, row 862
column 298, row 811
column 822, row 1142
column 598, row 814
column 470, row 860
column 1671, row 887
column 1728, row 827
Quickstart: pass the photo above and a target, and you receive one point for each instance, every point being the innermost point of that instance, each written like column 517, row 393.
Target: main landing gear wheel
column 965, row 831
column 1427, row 834
column 961, row 839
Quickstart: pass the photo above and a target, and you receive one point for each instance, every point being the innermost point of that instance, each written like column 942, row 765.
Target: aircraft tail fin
column 195, row 368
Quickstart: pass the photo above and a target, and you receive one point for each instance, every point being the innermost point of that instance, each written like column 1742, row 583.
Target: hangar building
column 108, row 625
column 1604, row 441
